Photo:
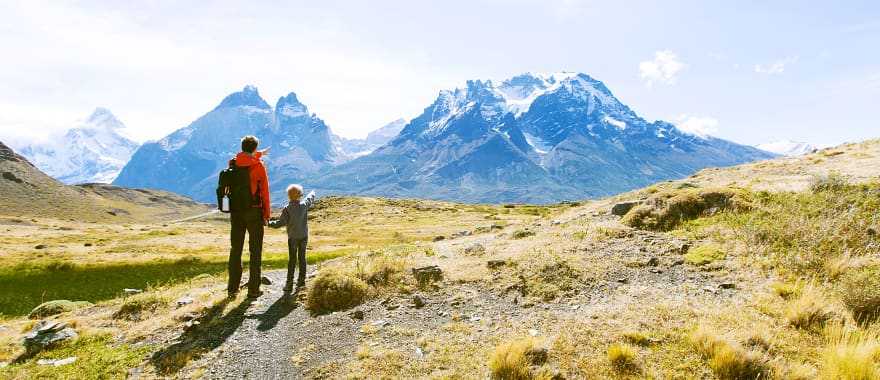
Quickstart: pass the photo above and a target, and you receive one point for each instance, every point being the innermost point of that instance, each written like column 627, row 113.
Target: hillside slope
column 28, row 192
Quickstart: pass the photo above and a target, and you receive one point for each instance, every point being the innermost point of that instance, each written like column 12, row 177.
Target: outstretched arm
column 310, row 199
column 281, row 221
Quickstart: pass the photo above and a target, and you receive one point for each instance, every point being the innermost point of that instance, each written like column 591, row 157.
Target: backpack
column 234, row 189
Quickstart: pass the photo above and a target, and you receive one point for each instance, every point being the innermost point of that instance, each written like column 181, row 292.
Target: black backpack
column 235, row 183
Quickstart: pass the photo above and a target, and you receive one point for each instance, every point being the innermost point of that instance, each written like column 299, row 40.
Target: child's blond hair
column 294, row 192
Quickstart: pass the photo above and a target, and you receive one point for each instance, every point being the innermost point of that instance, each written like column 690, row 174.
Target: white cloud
column 662, row 69
column 775, row 67
column 702, row 126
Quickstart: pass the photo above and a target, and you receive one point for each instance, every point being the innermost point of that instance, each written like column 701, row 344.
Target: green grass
column 705, row 254
column 97, row 357
column 26, row 285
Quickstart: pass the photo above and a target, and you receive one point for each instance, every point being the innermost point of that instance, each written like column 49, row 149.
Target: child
column 295, row 218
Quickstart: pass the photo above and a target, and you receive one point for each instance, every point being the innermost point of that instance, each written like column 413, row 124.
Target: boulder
column 55, row 307
column 620, row 209
column 47, row 334
column 265, row 280
column 427, row 275
column 418, row 301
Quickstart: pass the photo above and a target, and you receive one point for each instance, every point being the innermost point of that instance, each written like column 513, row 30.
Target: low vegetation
column 665, row 210
column 727, row 360
column 705, row 254
column 623, row 358
column 334, row 290
column 519, row 359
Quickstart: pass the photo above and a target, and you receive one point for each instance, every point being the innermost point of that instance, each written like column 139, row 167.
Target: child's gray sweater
column 295, row 217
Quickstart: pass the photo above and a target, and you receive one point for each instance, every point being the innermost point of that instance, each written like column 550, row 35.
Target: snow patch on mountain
column 93, row 150
column 787, row 148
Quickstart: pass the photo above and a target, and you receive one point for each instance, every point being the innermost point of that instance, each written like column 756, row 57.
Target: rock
column 684, row 248
column 653, row 262
column 622, row 208
column 46, row 334
column 185, row 301
column 439, row 238
column 678, row 262
column 656, row 271
column 710, row 289
column 391, row 306
column 55, row 307
column 357, row 314
column 418, row 301
column 556, row 222
column 495, row 264
column 87, row 245
column 461, row 234
column 475, row 249
column 623, row 280
column 727, row 285
column 57, row 362
column 536, row 355
column 265, row 280
column 40, row 246
column 188, row 317
column 129, row 291
column 427, row 275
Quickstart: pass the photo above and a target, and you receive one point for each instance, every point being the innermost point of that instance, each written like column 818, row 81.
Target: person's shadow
column 212, row 330
column 280, row 309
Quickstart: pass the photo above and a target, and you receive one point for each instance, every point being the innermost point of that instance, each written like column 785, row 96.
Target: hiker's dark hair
column 249, row 144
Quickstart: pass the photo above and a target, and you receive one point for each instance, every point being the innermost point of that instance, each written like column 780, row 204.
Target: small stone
column 40, row 246
column 129, row 291
column 439, row 238
column 265, row 280
column 357, row 314
column 575, row 307
column 427, row 275
column 710, row 289
column 494, row 264
column 185, row 301
column 46, row 334
column 57, row 362
column 623, row 280
column 418, row 301
column 656, row 271
column 475, row 319
column 391, row 306
column 727, row 285
column 87, row 245
column 684, row 248
column 653, row 262
column 678, row 262
column 556, row 222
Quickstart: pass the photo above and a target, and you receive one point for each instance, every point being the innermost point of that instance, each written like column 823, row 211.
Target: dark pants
column 296, row 253
column 250, row 221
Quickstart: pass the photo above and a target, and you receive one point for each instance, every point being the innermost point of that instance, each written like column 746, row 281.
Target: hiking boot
column 256, row 294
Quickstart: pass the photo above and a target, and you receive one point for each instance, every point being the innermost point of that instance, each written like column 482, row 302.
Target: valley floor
column 767, row 270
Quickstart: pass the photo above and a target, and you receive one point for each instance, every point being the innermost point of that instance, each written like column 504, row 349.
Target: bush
column 705, row 254
column 381, row 269
column 519, row 234
column 833, row 181
column 332, row 291
column 860, row 292
column 666, row 210
column 623, row 358
column 637, row 338
column 513, row 360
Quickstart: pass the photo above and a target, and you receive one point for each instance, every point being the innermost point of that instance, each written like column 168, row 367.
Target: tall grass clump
column 334, row 290
column 850, row 355
column 665, row 210
column 623, row 358
column 728, row 360
column 860, row 292
column 518, row 359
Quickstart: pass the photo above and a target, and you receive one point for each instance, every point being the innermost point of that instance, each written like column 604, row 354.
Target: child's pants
column 296, row 253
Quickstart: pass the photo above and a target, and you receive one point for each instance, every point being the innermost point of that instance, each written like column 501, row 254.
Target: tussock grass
column 623, row 358
column 860, row 291
column 548, row 276
column 728, row 360
column 136, row 307
column 851, row 355
column 381, row 269
column 515, row 359
column 334, row 290
column 811, row 311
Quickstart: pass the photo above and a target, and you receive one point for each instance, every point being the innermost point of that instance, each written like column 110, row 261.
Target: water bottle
column 225, row 204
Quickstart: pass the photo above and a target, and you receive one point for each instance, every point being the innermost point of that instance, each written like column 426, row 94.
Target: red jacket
column 259, row 179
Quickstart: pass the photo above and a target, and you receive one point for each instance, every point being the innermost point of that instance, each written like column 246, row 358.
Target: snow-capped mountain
column 187, row 161
column 358, row 147
column 531, row 138
column 94, row 150
column 787, row 148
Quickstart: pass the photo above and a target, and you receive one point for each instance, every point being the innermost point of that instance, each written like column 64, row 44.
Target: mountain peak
column 290, row 106
column 102, row 118
column 249, row 96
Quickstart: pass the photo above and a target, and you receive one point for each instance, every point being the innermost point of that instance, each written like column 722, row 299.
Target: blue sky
column 748, row 71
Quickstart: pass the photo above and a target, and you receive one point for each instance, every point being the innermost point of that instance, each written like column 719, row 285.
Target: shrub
column 666, row 210
column 381, row 269
column 637, row 338
column 513, row 360
column 332, row 291
column 860, row 292
column 623, row 358
column 519, row 234
column 133, row 308
column 704, row 254
column 833, row 181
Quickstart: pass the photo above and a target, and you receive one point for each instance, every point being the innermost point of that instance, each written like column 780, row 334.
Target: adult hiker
column 243, row 191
